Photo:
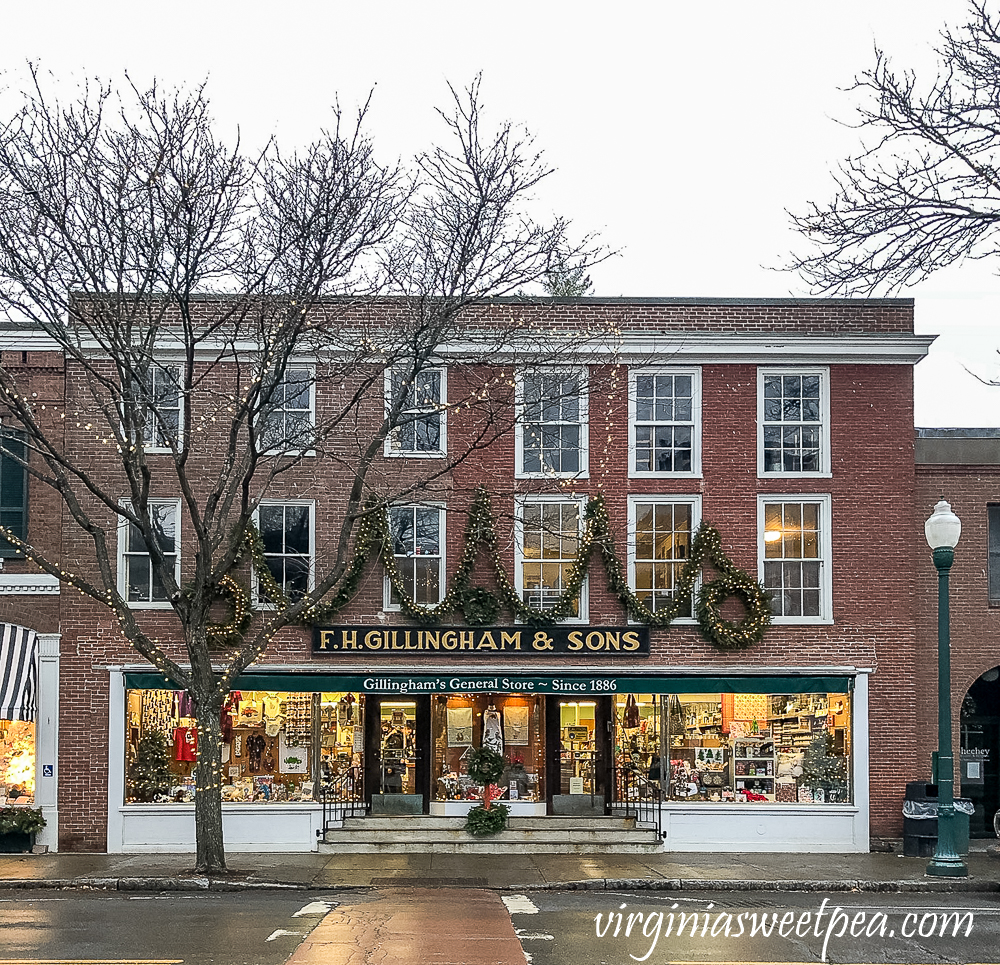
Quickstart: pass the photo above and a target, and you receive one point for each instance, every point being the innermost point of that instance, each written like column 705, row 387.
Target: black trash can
column 920, row 826
column 920, row 820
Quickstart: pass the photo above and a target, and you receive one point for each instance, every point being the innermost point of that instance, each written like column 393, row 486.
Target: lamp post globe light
column 942, row 530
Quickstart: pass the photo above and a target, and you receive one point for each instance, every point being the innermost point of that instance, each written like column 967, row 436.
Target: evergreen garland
column 480, row 607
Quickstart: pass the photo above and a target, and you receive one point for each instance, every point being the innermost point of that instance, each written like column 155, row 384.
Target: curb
column 199, row 883
column 931, row 885
column 136, row 883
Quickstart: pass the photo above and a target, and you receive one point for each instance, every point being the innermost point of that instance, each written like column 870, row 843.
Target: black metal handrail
column 342, row 796
column 640, row 797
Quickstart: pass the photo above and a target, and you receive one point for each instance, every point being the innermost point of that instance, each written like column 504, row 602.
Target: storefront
column 29, row 715
column 781, row 759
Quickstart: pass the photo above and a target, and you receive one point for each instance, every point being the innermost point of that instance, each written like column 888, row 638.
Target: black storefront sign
column 500, row 642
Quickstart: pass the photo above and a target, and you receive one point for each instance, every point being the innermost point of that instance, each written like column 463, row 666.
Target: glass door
column 398, row 747
column 397, row 772
column 578, row 737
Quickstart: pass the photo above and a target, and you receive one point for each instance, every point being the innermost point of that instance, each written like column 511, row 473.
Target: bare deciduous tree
column 925, row 193
column 200, row 297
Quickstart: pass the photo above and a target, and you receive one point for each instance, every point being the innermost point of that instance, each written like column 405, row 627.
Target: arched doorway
column 980, row 751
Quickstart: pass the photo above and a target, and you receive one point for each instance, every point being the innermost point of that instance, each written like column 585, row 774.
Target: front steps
column 423, row 834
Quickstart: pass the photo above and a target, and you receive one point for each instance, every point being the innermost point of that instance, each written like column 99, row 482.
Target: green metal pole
column 946, row 863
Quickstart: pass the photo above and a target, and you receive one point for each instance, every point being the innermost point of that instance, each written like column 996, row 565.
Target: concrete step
column 434, row 822
column 524, row 835
column 491, row 845
column 402, row 837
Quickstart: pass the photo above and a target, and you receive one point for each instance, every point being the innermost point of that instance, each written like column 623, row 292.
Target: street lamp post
column 942, row 530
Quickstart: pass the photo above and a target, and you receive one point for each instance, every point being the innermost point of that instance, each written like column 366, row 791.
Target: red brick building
column 786, row 424
column 963, row 467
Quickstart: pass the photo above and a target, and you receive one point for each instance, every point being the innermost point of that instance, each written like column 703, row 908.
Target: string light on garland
column 480, row 607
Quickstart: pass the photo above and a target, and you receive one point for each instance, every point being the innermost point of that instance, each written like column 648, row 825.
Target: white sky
column 680, row 135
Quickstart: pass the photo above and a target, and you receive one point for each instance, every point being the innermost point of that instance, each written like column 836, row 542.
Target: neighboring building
column 786, row 423
column 963, row 467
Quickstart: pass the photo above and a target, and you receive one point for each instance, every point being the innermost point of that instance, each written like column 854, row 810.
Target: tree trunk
column 210, row 844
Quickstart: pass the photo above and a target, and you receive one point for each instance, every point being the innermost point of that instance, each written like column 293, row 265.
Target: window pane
column 993, row 519
column 297, row 529
column 272, row 525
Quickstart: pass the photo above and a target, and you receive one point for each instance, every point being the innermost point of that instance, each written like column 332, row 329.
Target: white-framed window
column 290, row 415
column 137, row 581
column 287, row 530
column 793, row 422
column 552, row 431
column 547, row 535
column 418, row 547
column 993, row 553
column 422, row 429
column 163, row 420
column 795, row 557
column 664, row 422
column 660, row 533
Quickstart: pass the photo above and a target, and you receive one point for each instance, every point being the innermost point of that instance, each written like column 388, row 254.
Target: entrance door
column 397, row 741
column 578, row 751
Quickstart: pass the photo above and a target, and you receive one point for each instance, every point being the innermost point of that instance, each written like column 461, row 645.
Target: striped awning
column 18, row 673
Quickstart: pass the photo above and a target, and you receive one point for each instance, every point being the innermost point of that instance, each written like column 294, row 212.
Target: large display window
column 277, row 746
column 17, row 762
column 511, row 724
column 751, row 748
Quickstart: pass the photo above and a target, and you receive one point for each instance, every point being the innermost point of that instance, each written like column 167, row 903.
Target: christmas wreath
column 485, row 766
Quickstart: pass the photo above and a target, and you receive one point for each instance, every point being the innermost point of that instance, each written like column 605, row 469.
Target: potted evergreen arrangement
column 18, row 826
column 485, row 767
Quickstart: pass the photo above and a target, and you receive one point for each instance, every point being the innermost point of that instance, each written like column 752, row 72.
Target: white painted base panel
column 758, row 828
column 152, row 828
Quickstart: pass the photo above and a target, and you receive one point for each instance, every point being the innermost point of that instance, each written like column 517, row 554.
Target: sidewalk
column 510, row 872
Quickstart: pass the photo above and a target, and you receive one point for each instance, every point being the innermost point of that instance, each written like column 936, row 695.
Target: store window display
column 758, row 748
column 17, row 761
column 277, row 746
column 510, row 724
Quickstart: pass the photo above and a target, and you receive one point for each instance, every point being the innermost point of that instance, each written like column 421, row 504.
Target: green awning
column 569, row 684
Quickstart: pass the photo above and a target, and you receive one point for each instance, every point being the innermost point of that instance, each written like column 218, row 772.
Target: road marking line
column 279, row 933
column 520, row 905
column 315, row 908
column 91, row 961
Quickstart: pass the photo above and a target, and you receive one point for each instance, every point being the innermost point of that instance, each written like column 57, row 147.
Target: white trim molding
column 29, row 584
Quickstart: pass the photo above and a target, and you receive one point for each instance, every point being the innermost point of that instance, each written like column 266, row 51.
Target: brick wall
column 871, row 489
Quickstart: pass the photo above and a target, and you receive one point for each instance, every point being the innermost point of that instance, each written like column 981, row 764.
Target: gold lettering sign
column 494, row 642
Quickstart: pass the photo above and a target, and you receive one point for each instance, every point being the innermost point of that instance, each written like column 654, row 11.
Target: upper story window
column 548, row 531
column 422, row 424
column 289, row 417
column 551, row 437
column 418, row 549
column 286, row 530
column 162, row 426
column 993, row 525
column 795, row 548
column 665, row 422
column 138, row 582
column 661, row 530
column 793, row 422
column 13, row 496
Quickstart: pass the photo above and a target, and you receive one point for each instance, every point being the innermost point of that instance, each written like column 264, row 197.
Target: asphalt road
column 235, row 928
column 584, row 928
column 555, row 928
